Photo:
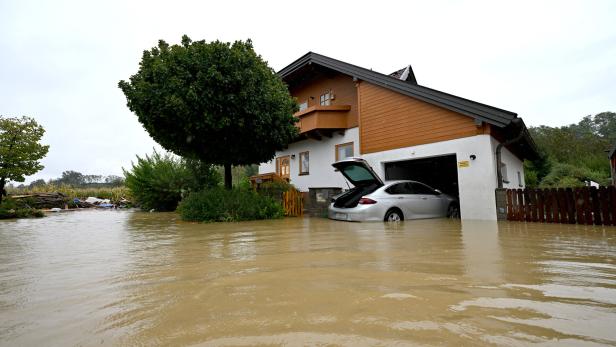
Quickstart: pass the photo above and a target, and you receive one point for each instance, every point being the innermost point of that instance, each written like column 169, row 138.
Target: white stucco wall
column 476, row 182
column 322, row 155
column 513, row 165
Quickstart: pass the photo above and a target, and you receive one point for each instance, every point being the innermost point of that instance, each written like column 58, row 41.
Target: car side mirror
column 438, row 192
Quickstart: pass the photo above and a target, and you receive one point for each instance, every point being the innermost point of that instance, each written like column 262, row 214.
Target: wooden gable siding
column 343, row 89
column 389, row 120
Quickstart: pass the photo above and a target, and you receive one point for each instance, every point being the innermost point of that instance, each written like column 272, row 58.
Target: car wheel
column 394, row 215
column 453, row 211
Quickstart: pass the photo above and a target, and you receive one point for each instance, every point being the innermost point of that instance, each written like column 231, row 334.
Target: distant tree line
column 79, row 180
column 573, row 154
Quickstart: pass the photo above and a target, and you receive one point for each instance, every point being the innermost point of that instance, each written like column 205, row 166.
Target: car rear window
column 358, row 173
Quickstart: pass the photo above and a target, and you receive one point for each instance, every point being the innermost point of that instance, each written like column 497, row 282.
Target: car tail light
column 366, row 201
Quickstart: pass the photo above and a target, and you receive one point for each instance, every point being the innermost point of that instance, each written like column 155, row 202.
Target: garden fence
column 293, row 203
column 587, row 205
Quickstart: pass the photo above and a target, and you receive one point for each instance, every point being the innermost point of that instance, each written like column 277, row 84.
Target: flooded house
column 403, row 130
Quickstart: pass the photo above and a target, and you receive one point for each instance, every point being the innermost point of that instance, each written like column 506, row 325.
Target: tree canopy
column 20, row 150
column 574, row 153
column 213, row 101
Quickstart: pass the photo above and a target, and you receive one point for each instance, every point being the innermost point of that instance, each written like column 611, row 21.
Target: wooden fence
column 293, row 203
column 587, row 205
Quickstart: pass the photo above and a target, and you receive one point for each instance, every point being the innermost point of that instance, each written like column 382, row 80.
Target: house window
column 519, row 179
column 325, row 99
column 303, row 105
column 304, row 163
column 344, row 150
column 504, row 173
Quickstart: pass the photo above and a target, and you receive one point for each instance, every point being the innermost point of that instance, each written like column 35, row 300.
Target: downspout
column 499, row 173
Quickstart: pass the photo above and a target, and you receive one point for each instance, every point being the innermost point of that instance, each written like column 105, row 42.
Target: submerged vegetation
column 111, row 193
column 10, row 208
column 159, row 181
column 164, row 181
column 224, row 205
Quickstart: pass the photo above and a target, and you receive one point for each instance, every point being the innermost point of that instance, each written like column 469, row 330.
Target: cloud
column 552, row 62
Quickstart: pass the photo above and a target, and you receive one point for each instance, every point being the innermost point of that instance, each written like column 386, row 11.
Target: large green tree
column 213, row 101
column 573, row 153
column 20, row 149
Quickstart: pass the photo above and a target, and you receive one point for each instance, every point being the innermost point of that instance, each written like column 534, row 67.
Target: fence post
column 540, row 205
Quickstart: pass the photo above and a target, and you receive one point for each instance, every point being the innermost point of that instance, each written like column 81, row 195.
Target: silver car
column 371, row 199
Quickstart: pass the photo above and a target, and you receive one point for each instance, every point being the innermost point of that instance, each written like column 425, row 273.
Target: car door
column 427, row 203
column 401, row 196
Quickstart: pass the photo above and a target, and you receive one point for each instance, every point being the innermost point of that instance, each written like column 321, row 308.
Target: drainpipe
column 499, row 174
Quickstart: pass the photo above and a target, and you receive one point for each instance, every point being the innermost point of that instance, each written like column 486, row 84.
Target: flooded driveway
column 131, row 278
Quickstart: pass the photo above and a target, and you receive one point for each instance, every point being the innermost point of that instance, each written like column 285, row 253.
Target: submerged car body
column 371, row 199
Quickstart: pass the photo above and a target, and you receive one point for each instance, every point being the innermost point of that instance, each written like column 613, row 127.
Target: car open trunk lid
column 358, row 172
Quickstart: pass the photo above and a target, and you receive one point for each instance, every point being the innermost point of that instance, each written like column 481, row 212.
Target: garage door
column 438, row 172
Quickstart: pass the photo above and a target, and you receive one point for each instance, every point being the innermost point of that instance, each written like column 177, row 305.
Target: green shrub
column 222, row 205
column 274, row 189
column 159, row 181
column 564, row 175
column 10, row 208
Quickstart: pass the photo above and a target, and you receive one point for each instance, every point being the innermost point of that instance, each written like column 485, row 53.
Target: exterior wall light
column 473, row 157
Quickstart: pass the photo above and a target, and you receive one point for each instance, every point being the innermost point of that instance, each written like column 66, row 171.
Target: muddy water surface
column 131, row 278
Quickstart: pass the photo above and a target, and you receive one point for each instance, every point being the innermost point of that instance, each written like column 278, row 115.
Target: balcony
column 318, row 121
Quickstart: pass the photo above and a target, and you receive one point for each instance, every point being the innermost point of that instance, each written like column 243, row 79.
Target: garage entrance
column 438, row 172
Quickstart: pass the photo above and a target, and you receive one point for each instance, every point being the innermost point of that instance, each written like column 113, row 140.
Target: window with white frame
column 325, row 99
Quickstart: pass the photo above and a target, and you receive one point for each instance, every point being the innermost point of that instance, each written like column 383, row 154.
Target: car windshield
column 358, row 173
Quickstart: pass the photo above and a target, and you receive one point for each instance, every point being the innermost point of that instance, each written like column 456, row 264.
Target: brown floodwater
column 132, row 278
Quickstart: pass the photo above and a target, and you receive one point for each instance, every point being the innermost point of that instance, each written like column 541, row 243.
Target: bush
column 10, row 208
column 564, row 175
column 223, row 205
column 274, row 189
column 159, row 181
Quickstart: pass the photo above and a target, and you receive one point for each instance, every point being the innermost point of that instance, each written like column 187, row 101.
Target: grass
column 10, row 208
column 112, row 193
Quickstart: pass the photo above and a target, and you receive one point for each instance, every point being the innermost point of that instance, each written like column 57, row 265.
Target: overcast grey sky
column 552, row 62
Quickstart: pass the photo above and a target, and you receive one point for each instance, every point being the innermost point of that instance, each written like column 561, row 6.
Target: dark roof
column 410, row 76
column 486, row 113
column 508, row 121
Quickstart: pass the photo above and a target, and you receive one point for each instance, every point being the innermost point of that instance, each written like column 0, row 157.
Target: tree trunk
column 228, row 181
column 2, row 191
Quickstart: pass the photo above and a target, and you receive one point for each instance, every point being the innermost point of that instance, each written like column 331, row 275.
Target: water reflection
column 133, row 278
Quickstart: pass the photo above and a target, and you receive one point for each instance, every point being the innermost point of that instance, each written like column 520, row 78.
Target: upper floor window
column 303, row 105
column 344, row 150
column 326, row 99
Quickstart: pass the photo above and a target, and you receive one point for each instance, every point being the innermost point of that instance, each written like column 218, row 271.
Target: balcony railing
column 332, row 117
